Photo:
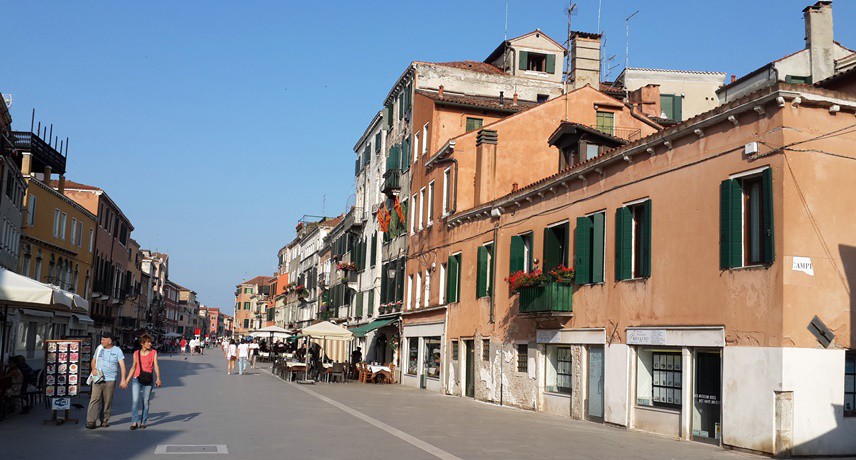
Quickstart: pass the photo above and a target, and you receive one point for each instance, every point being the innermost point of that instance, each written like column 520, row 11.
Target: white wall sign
column 803, row 264
column 646, row 337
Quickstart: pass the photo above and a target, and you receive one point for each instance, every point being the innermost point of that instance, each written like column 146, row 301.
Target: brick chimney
column 585, row 61
column 646, row 100
column 486, row 140
column 818, row 39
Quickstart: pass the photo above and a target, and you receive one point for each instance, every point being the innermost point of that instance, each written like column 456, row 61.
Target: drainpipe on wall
column 493, row 274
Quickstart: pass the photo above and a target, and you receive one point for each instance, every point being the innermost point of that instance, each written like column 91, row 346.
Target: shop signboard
column 646, row 337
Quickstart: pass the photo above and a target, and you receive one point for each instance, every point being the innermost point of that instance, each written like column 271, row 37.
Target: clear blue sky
column 215, row 125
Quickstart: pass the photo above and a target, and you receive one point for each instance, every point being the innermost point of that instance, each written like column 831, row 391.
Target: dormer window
column 537, row 62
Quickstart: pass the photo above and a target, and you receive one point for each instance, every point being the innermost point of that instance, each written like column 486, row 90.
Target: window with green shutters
column 453, row 278
column 606, row 122
column 520, row 255
column 484, row 273
column 746, row 221
column 370, row 307
column 358, row 311
column 633, row 241
column 672, row 106
column 474, row 123
column 405, row 154
column 589, row 248
column 555, row 246
column 538, row 62
column 393, row 161
column 387, row 117
column 377, row 143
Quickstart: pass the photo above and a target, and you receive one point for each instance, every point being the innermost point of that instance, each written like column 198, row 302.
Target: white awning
column 38, row 313
column 18, row 290
column 83, row 318
column 327, row 330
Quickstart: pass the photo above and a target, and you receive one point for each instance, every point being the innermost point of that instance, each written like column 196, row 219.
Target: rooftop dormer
column 533, row 55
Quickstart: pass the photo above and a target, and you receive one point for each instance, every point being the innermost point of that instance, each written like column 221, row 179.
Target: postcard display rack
column 62, row 375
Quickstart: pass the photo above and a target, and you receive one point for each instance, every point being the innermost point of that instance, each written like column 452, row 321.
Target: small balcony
column 628, row 134
column 43, row 154
column 551, row 299
column 391, row 182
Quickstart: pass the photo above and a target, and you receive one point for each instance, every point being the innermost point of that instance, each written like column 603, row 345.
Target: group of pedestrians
column 241, row 353
column 108, row 365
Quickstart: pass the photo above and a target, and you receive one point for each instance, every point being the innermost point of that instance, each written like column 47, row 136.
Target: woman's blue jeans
column 146, row 391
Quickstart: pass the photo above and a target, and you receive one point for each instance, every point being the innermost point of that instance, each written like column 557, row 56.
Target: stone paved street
column 260, row 416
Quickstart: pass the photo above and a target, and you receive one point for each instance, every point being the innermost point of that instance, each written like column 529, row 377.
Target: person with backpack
column 144, row 374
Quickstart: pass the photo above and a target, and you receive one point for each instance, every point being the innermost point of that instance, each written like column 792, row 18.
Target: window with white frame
column 73, row 231
column 62, row 225
column 91, row 239
column 416, row 138
column 446, row 189
column 430, row 205
column 658, row 378
column 558, row 372
column 413, row 214
column 441, row 293
column 31, row 210
column 409, row 290
column 55, row 231
column 421, row 208
column 427, row 288
column 418, row 299
column 80, row 234
column 425, row 139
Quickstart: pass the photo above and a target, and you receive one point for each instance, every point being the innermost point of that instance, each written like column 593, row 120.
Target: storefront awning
column 361, row 331
column 83, row 318
column 37, row 313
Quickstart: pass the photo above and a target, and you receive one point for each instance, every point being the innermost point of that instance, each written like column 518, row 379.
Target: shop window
column 555, row 246
column 412, row 355
column 633, row 241
column 850, row 384
column 558, row 378
column 521, row 253
column 454, row 350
column 431, row 366
column 746, row 221
column 658, row 378
column 589, row 248
column 522, row 357
column 486, row 349
column 483, row 270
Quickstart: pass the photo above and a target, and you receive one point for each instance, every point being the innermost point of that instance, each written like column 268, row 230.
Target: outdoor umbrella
column 325, row 331
column 18, row 291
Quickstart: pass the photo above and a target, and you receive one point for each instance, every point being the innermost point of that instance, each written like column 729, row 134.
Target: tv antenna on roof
column 627, row 48
column 571, row 10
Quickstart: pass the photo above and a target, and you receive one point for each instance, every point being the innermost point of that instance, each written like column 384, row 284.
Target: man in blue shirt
column 107, row 361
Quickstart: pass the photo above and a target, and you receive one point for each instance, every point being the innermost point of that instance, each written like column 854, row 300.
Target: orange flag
column 383, row 218
column 398, row 210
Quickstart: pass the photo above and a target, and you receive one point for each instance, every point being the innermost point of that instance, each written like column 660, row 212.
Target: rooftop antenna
column 323, row 203
column 627, row 50
column 569, row 11
column 599, row 5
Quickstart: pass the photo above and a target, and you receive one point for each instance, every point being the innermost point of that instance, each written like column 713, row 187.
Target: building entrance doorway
column 470, row 372
column 707, row 396
column 594, row 401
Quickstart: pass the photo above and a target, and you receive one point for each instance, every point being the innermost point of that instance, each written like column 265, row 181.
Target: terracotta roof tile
column 74, row 185
column 259, row 280
column 481, row 67
column 487, row 102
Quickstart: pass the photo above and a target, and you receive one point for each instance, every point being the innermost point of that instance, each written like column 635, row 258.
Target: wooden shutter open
column 768, row 237
column 597, row 246
column 452, row 280
column 516, row 255
column 646, row 240
column 551, row 63
column 623, row 244
column 481, row 273
column 524, row 60
column 582, row 251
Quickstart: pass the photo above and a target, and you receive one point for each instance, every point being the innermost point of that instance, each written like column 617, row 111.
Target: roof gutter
column 445, row 151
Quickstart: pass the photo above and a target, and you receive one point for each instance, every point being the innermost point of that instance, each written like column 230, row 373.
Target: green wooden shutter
column 516, row 254
column 623, row 244
column 373, row 260
column 452, row 280
column 370, row 307
column 524, row 60
column 597, row 253
column 645, row 266
column 383, row 283
column 551, row 63
column 582, row 251
column 666, row 105
column 725, row 225
column 357, row 167
column 735, row 209
column 481, row 273
column 405, row 154
column 677, row 106
column 768, row 242
column 359, row 309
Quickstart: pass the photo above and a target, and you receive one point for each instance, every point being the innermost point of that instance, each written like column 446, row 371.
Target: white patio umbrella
column 325, row 331
column 18, row 291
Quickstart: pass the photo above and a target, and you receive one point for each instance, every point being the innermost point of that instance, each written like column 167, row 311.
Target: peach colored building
column 250, row 296
column 712, row 298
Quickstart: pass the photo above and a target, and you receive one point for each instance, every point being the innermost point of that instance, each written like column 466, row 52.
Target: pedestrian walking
column 107, row 361
column 254, row 353
column 144, row 372
column 243, row 355
column 183, row 344
column 231, row 357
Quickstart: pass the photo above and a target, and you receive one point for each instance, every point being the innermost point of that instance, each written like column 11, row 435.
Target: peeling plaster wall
column 483, row 84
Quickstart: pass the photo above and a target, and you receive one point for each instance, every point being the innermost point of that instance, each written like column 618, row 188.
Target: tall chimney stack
column 585, row 60
column 819, row 39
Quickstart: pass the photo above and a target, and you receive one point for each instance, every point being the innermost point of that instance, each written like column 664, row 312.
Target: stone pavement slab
column 260, row 416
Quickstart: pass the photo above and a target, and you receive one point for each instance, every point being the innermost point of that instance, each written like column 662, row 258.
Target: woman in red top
column 183, row 345
column 145, row 372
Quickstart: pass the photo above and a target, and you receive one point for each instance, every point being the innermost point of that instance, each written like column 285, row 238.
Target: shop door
column 595, row 384
column 470, row 373
column 707, row 397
